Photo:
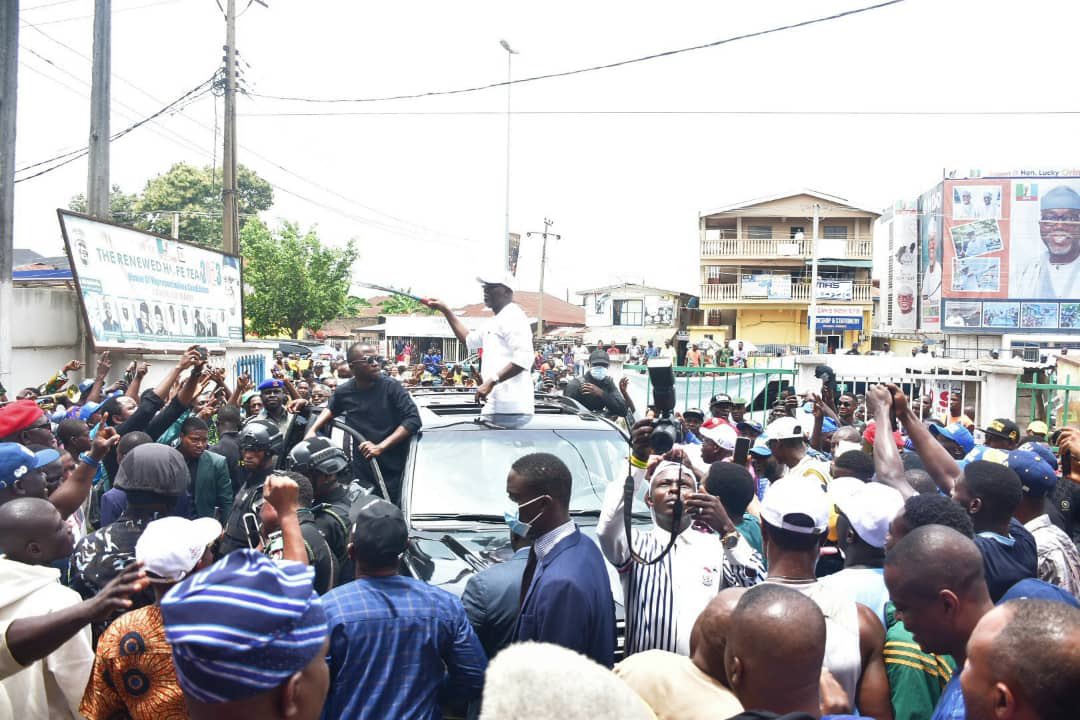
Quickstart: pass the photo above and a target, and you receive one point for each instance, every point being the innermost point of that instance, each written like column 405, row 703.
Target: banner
column 513, row 250
column 771, row 286
column 144, row 290
column 834, row 289
column 904, row 233
column 930, row 233
column 838, row 318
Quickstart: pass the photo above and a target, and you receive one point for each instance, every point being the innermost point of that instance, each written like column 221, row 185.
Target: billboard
column 833, row 289
column 930, row 234
column 144, row 290
column 904, row 260
column 772, row 286
column 1011, row 255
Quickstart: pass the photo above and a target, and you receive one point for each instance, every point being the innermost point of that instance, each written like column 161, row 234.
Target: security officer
column 596, row 390
column 260, row 444
column 323, row 464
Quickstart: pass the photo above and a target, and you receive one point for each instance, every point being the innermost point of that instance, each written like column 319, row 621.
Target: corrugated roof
column 834, row 199
column 647, row 289
column 557, row 312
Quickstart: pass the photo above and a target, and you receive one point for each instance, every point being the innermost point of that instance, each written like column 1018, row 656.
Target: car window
column 465, row 471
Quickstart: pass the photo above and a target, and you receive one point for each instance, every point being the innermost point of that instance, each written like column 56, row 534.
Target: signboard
column 1011, row 255
column 144, row 290
column 834, row 289
column 904, row 259
column 930, row 234
column 659, row 311
column 771, row 286
column 838, row 318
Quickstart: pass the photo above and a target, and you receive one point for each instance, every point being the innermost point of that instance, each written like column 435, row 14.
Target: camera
column 666, row 429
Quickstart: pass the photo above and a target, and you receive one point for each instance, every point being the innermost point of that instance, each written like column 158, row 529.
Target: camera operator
column 663, row 600
column 596, row 390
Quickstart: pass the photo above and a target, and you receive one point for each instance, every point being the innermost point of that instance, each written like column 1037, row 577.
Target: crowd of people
column 182, row 551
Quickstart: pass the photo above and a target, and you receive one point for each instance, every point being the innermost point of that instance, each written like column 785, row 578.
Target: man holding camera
column 596, row 390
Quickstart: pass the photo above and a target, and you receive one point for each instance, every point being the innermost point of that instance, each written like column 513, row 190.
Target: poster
column 904, row 260
column 772, row 286
column 834, row 289
column 144, row 290
column 1046, row 240
column 960, row 315
column 659, row 311
column 930, row 234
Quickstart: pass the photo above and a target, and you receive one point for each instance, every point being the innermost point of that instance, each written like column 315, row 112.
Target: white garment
column 865, row 586
column 505, row 339
column 663, row 600
column 581, row 353
column 932, row 283
column 1041, row 279
column 53, row 687
column 811, row 468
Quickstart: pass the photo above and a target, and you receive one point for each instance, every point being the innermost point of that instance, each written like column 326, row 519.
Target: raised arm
column 888, row 467
column 460, row 331
column 135, row 386
column 936, row 459
column 103, row 367
column 73, row 492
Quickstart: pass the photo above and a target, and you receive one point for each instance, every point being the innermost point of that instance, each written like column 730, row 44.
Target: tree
column 353, row 305
column 291, row 280
column 195, row 193
column 401, row 305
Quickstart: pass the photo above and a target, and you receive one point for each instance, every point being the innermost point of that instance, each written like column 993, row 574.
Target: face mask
column 599, row 372
column 516, row 524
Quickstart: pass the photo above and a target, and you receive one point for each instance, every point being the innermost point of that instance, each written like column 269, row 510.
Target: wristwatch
column 730, row 540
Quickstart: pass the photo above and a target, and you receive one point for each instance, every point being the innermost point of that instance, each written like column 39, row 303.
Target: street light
column 510, row 53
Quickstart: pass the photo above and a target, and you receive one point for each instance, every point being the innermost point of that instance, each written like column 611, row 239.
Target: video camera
column 666, row 429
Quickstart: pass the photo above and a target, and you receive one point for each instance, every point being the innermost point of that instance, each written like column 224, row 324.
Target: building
column 561, row 319
column 614, row 314
column 755, row 262
column 993, row 259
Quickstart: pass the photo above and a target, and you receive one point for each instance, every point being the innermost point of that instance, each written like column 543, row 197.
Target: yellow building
column 755, row 261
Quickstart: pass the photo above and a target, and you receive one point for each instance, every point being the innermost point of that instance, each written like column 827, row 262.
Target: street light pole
column 510, row 53
column 813, row 281
column 543, row 262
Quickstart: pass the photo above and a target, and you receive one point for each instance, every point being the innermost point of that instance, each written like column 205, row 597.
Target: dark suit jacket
column 491, row 600
column 570, row 602
column 213, row 486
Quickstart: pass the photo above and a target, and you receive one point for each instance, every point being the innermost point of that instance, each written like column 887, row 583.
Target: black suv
column 454, row 483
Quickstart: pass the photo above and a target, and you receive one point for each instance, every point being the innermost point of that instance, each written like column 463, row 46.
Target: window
column 836, row 232
column 761, row 232
column 626, row 312
column 796, row 230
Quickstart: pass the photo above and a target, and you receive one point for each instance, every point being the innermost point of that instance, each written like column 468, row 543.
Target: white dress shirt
column 506, row 339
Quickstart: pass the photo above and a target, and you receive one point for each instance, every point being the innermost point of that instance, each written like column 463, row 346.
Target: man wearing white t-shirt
column 507, row 353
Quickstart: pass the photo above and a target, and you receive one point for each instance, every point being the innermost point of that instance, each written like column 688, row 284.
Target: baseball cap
column 720, row 398
column 1003, row 428
column 88, row 410
column 1036, row 477
column 957, row 433
column 761, row 446
column 738, row 401
column 271, row 384
column 721, row 433
column 1035, row 589
column 988, row 454
column 1038, row 427
column 599, row 357
column 16, row 460
column 694, row 411
column 796, row 504
column 379, row 534
column 784, row 428
column 1043, row 451
column 171, row 547
column 505, row 279
column 243, row 612
column 870, row 434
column 870, row 509
column 749, row 427
column 17, row 416
column 829, row 425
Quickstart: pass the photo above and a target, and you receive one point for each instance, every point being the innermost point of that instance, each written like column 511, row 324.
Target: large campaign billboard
column 930, row 233
column 1011, row 255
column 144, row 290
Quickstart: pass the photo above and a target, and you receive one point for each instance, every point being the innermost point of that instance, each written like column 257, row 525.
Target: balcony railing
column 857, row 248
column 800, row 293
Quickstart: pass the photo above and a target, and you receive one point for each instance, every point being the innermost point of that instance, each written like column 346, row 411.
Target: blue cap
column 242, row 626
column 1036, row 476
column 1060, row 198
column 829, row 425
column 89, row 409
column 761, row 446
column 1042, row 450
column 16, row 460
column 749, row 426
column 85, row 385
column 272, row 383
column 1034, row 589
column 957, row 433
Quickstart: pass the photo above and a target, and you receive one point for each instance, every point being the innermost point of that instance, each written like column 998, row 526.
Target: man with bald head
column 1023, row 661
column 680, row 687
column 380, row 410
column 936, row 580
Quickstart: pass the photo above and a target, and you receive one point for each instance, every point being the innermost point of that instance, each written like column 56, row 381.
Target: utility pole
column 176, row 226
column 9, row 76
column 97, row 181
column 813, row 281
column 510, row 53
column 230, row 231
column 543, row 263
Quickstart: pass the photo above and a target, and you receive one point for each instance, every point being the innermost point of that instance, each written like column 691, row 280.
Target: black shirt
column 237, row 535
column 611, row 401
column 228, row 448
column 331, row 514
column 375, row 413
column 1006, row 564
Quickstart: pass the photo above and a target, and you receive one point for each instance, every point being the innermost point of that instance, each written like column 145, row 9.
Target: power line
column 580, row 71
column 118, row 10
column 48, row 5
column 831, row 113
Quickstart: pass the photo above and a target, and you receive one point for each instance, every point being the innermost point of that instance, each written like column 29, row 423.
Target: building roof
column 557, row 312
column 825, row 197
column 423, row 326
column 644, row 289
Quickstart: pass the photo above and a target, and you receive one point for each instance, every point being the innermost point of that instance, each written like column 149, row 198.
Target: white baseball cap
column 171, row 547
column 784, row 428
column 496, row 277
column 796, row 504
column 870, row 509
column 721, row 433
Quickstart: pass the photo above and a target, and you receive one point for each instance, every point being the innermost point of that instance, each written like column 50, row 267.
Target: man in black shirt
column 229, row 421
column 381, row 411
column 319, row 556
column 596, row 390
column 260, row 444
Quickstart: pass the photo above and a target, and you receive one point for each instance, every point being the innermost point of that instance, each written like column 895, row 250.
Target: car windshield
column 464, row 472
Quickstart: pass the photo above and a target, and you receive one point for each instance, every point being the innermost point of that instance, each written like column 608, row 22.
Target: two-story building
column 614, row 314
column 756, row 271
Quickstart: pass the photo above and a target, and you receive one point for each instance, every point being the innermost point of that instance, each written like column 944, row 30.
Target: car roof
column 442, row 408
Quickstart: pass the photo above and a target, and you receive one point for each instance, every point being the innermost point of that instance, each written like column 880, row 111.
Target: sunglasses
column 369, row 360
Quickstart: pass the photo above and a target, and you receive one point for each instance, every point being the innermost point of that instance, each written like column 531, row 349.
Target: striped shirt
column 664, row 600
column 916, row 679
column 1059, row 562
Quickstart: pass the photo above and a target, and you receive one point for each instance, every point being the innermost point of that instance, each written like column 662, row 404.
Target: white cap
column 796, row 504
column 784, row 428
column 498, row 278
column 845, row 446
column 171, row 547
column 721, row 433
column 667, row 468
column 870, row 509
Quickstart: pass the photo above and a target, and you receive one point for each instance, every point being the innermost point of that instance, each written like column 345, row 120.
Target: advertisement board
column 144, row 290
column 838, row 318
column 1011, row 255
column 772, row 286
column 834, row 289
column 930, row 234
column 904, row 261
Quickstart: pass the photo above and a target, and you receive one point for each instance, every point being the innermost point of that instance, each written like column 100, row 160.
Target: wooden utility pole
column 230, row 231
column 543, row 263
column 97, row 181
column 9, row 75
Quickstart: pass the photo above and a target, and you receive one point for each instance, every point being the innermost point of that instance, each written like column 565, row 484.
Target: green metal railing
column 759, row 386
column 1048, row 393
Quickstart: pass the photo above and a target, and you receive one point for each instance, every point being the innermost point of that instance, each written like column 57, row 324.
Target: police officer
column 323, row 464
column 260, row 443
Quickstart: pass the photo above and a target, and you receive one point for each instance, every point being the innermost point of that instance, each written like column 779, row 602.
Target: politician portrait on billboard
column 1046, row 240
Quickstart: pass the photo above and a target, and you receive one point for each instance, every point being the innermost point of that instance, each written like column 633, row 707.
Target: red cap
column 17, row 416
column 871, row 432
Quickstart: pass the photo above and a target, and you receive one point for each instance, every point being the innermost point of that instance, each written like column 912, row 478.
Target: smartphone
column 202, row 352
column 742, row 450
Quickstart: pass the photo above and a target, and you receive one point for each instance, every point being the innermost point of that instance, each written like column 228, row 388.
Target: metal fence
column 253, row 365
column 760, row 387
column 1056, row 404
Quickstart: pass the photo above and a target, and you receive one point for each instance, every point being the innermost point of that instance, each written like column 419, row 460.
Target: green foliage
column 195, row 193
column 353, row 306
column 401, row 305
column 292, row 281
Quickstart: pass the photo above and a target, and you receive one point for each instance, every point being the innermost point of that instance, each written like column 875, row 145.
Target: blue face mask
column 599, row 372
column 518, row 526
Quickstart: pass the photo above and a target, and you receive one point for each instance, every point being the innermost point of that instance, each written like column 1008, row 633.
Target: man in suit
column 210, row 490
column 565, row 593
column 492, row 597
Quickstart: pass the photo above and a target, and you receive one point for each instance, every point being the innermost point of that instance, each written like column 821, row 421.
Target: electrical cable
column 607, row 66
column 828, row 113
column 118, row 10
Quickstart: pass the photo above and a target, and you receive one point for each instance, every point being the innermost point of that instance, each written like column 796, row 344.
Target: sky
column 622, row 160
